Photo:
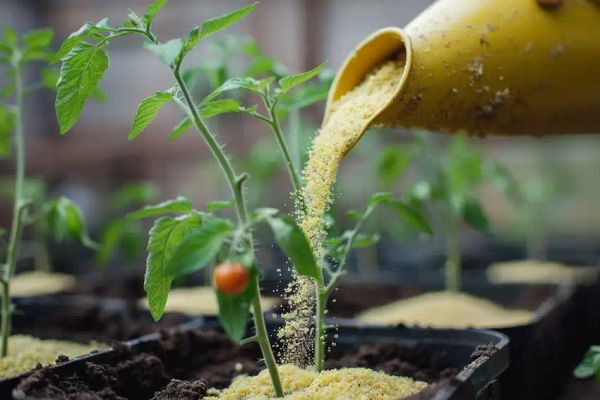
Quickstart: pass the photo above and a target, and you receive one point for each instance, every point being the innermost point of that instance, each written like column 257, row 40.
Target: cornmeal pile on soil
column 38, row 283
column 337, row 384
column 349, row 117
column 447, row 310
column 536, row 271
column 199, row 301
column 25, row 352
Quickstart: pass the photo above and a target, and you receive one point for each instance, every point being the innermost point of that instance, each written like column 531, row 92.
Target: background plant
column 62, row 217
column 448, row 188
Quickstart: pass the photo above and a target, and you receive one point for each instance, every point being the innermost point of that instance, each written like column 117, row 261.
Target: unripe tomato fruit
column 230, row 277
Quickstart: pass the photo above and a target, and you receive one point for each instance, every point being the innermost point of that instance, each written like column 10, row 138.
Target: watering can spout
column 488, row 67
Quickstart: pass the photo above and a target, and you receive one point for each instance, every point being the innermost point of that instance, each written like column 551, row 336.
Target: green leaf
column 590, row 365
column 217, row 107
column 66, row 219
column 73, row 40
column 412, row 216
column 6, row 126
column 165, row 236
column 236, row 83
column 181, row 129
column 217, row 205
column 137, row 193
column 82, row 70
column 109, row 240
column 146, row 112
column 134, row 19
column 199, row 246
column 294, row 244
column 216, row 24
column 290, row 81
column 408, row 213
column 168, row 51
column 39, row 38
column 363, row 240
column 177, row 205
column 153, row 9
column 10, row 37
column 475, row 216
column 392, row 163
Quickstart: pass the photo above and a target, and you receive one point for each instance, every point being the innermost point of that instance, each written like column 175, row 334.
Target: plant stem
column 320, row 326
column 235, row 183
column 283, row 147
column 18, row 210
column 453, row 254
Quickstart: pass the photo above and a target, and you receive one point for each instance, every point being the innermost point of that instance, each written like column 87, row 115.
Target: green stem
column 320, row 327
column 453, row 255
column 283, row 147
column 18, row 211
column 235, row 183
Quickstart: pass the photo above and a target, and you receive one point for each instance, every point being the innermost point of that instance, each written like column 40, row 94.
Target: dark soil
column 72, row 318
column 126, row 284
column 182, row 365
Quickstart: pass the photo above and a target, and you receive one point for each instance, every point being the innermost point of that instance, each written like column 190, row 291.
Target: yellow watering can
column 488, row 67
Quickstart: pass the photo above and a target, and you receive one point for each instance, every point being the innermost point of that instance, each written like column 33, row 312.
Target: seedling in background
column 61, row 216
column 449, row 188
column 124, row 234
column 190, row 240
column 590, row 365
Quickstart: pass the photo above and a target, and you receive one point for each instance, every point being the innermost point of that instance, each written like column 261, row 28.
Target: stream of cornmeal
column 347, row 120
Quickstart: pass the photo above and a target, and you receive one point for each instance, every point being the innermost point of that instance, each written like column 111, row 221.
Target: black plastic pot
column 476, row 379
column 540, row 352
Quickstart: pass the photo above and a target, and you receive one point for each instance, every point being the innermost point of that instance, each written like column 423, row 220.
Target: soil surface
column 67, row 318
column 183, row 364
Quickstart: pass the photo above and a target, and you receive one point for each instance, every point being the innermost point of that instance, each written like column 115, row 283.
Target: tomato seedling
column 60, row 217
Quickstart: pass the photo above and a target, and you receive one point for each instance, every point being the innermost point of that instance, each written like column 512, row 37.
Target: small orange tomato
column 230, row 277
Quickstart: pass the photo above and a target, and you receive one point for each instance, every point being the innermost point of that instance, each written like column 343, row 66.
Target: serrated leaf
column 234, row 310
column 217, row 205
column 165, row 236
column 72, row 40
column 290, row 81
column 6, row 127
column 199, row 246
column 590, row 365
column 217, row 24
column 39, row 38
column 217, row 107
column 475, row 216
column 247, row 83
column 168, row 51
column 379, row 198
column 294, row 244
column 146, row 112
column 177, row 205
column 181, row 129
column 82, row 69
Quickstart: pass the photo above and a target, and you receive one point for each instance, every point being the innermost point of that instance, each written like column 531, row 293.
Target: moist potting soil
column 155, row 369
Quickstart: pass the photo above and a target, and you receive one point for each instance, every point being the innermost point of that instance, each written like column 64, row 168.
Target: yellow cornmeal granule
column 337, row 384
column 349, row 117
column 536, row 271
column 447, row 310
column 297, row 335
column 199, row 301
column 38, row 283
column 25, row 352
